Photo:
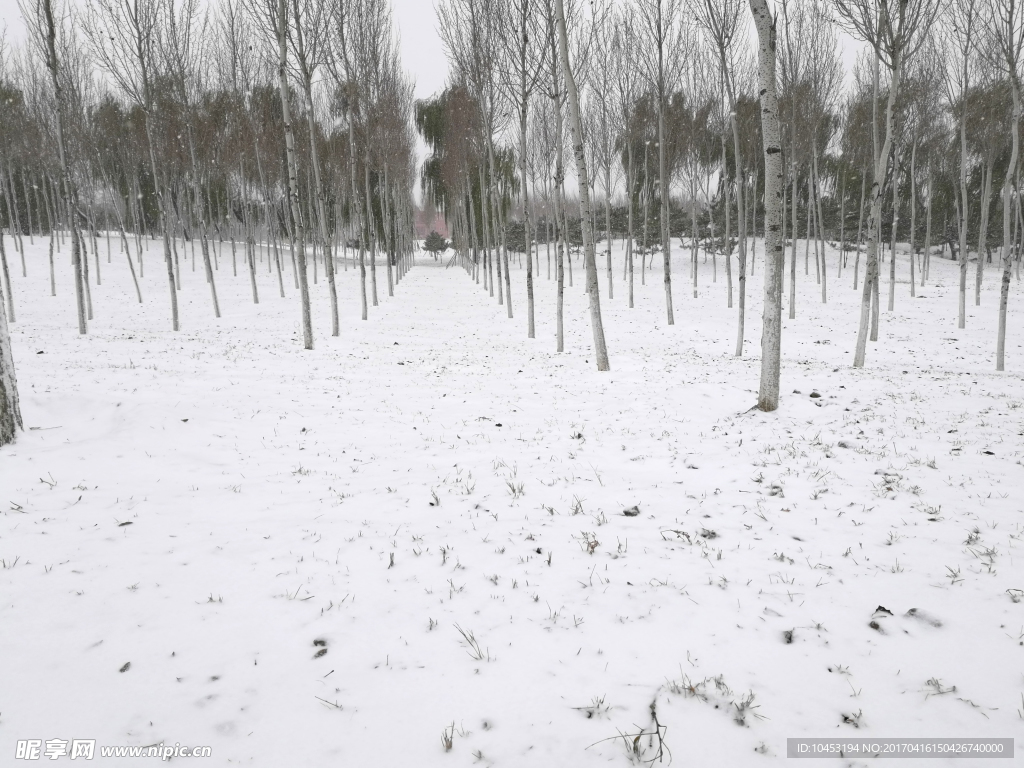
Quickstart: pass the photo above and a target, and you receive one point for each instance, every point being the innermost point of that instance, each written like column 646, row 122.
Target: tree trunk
column 663, row 185
column 860, row 226
column 164, row 221
column 70, row 194
column 124, row 245
column 1004, row 286
column 792, row 264
column 389, row 233
column 926, row 261
column 775, row 255
column 10, row 410
column 495, row 215
column 527, row 232
column 913, row 218
column 895, row 230
column 871, row 275
column 629, row 218
column 608, row 224
column 504, row 261
column 250, row 249
column 485, row 220
column 371, row 227
column 204, row 241
column 727, row 235
column 590, row 259
column 647, row 215
column 693, row 237
column 842, row 226
column 558, row 199
column 292, row 168
column 314, row 155
column 12, row 221
column 19, row 240
column 741, row 212
column 820, row 225
column 28, row 216
column 5, row 276
column 962, row 319
column 808, row 225
column 986, row 198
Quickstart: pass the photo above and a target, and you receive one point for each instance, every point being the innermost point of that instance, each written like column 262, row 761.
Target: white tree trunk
column 590, row 258
column 869, row 296
column 293, row 184
column 10, row 412
column 774, row 247
column 1004, row 288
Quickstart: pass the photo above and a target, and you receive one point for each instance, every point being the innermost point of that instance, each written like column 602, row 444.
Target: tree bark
column 10, row 410
column 775, row 256
column 663, row 185
column 1004, row 287
column 292, row 169
column 962, row 319
column 871, row 269
column 600, row 350
column 629, row 216
column 314, row 155
column 926, row 261
column 70, row 194
column 913, row 218
column 895, row 230
column 986, row 197
column 5, row 277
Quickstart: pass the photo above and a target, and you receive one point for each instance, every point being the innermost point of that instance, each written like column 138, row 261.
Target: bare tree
column 774, row 185
column 666, row 37
column 522, row 64
column 960, row 36
column 469, row 31
column 345, row 64
column 623, row 53
column 273, row 17
column 123, row 37
column 602, row 81
column 44, row 27
column 1004, row 42
column 308, row 23
column 720, row 20
column 182, row 45
column 590, row 258
column 894, row 29
column 10, row 411
column 556, row 95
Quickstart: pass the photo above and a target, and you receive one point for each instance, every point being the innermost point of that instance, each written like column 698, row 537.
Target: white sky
column 422, row 52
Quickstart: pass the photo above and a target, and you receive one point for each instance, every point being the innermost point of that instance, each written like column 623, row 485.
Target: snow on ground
column 284, row 545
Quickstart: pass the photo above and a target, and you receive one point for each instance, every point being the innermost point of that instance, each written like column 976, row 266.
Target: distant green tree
column 435, row 243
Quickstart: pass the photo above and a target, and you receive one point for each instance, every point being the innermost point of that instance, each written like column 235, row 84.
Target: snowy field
column 416, row 532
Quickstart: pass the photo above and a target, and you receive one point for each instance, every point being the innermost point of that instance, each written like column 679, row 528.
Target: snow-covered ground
column 333, row 558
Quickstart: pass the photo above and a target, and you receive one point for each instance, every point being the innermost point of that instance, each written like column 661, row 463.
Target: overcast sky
column 415, row 20
column 422, row 52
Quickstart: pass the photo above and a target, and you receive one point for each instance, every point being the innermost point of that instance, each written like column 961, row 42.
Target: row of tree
column 918, row 144
column 662, row 109
column 281, row 126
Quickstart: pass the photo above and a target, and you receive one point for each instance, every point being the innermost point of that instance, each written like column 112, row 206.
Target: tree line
column 917, row 144
column 272, row 122
column 291, row 118
column 280, row 128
